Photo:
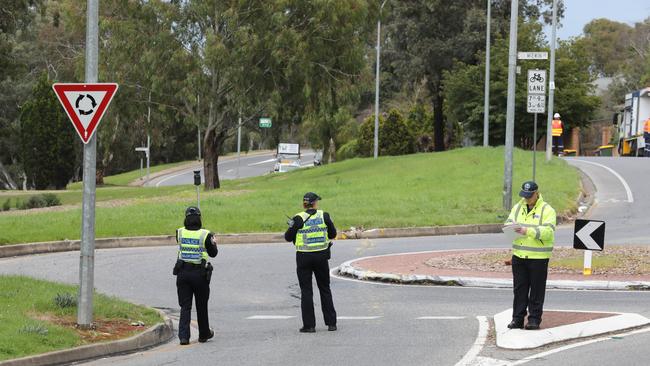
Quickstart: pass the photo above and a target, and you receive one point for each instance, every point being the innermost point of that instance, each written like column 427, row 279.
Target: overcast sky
column 580, row 12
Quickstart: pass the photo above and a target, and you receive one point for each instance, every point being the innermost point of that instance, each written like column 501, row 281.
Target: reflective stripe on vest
column 191, row 245
column 646, row 127
column 313, row 235
column 557, row 127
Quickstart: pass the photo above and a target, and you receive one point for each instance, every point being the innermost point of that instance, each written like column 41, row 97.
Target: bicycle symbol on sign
column 537, row 77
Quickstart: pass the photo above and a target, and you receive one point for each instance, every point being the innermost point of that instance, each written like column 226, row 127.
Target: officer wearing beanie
column 193, row 274
column 535, row 221
column 311, row 231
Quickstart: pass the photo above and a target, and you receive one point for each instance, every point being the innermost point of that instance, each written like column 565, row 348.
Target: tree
column 607, row 44
column 574, row 98
column 396, row 139
column 48, row 141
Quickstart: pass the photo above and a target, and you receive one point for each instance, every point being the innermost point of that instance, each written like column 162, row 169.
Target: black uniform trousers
column 316, row 263
column 191, row 282
column 558, row 145
column 646, row 137
column 529, row 285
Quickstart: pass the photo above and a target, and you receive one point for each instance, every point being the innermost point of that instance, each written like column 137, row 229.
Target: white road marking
column 263, row 162
column 270, row 317
column 357, row 317
column 630, row 197
column 472, row 354
column 575, row 345
column 441, row 317
column 174, row 176
column 230, row 170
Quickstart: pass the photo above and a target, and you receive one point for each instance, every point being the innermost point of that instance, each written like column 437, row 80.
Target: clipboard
column 510, row 233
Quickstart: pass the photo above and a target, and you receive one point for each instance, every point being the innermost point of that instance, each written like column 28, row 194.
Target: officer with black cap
column 535, row 221
column 311, row 231
column 193, row 274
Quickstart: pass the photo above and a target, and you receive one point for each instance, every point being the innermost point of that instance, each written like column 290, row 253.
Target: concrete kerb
column 348, row 269
column 154, row 336
column 252, row 238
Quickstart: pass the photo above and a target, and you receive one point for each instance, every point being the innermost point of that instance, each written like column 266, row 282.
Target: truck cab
column 630, row 128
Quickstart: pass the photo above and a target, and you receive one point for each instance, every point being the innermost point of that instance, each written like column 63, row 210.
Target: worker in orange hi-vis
column 558, row 145
column 646, row 137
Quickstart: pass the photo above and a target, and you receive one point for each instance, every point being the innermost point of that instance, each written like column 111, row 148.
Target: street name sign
column 589, row 235
column 265, row 122
column 536, row 81
column 85, row 105
column 532, row 55
column 536, row 103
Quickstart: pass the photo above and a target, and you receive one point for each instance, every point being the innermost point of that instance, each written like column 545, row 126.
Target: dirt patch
column 621, row 260
column 102, row 330
column 551, row 319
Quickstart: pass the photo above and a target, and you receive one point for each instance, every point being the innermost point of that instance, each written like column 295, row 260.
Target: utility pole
column 198, row 124
column 551, row 88
column 510, row 111
column 148, row 136
column 238, row 143
column 486, row 103
column 87, row 252
column 378, row 48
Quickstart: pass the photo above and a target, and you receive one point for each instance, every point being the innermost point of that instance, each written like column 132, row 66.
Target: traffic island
column 563, row 325
column 39, row 327
column 618, row 268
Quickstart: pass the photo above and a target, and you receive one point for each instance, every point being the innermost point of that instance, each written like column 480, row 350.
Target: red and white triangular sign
column 85, row 104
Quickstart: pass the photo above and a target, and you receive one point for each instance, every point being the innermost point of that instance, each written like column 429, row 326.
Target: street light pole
column 198, row 124
column 87, row 251
column 486, row 103
column 376, row 147
column 551, row 88
column 510, row 110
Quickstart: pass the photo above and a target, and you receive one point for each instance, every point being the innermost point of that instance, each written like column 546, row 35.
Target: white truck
column 630, row 127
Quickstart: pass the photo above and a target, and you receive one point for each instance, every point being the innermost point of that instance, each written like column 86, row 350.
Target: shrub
column 51, row 199
column 7, row 205
column 35, row 202
column 20, row 204
column 65, row 300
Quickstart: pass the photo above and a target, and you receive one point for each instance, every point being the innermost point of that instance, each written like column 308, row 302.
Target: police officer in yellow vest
column 311, row 231
column 535, row 221
column 193, row 274
column 646, row 137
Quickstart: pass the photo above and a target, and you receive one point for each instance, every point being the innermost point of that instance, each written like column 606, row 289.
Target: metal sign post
column 197, row 183
column 238, row 144
column 510, row 107
column 87, row 251
column 536, row 104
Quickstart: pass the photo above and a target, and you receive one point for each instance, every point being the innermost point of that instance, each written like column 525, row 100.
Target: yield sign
column 85, row 104
column 589, row 235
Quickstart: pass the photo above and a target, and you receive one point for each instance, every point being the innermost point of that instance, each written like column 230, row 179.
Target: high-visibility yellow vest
column 313, row 235
column 540, row 224
column 191, row 245
column 646, row 127
column 556, row 127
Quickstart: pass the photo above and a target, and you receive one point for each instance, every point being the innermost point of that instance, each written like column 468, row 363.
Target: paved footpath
column 254, row 304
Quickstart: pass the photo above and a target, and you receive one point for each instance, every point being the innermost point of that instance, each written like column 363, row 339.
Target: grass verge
column 125, row 178
column 33, row 322
column 462, row 186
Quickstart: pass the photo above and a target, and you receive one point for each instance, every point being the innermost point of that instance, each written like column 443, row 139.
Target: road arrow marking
column 584, row 235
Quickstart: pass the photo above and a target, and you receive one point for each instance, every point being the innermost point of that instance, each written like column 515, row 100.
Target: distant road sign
column 85, row 105
column 589, row 235
column 536, row 81
column 536, row 103
column 288, row 149
column 265, row 122
column 532, row 55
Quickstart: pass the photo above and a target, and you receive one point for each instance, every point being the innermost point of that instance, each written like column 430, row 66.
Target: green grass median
column 39, row 316
column 462, row 186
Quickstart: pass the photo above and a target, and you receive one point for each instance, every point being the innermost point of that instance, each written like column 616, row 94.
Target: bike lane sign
column 536, row 81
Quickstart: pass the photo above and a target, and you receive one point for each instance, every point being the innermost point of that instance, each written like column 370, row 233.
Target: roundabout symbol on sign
column 80, row 98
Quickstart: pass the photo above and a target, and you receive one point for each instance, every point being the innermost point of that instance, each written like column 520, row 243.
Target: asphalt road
column 248, row 166
column 379, row 324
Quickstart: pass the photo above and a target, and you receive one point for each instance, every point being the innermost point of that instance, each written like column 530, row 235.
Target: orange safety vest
column 646, row 128
column 557, row 127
